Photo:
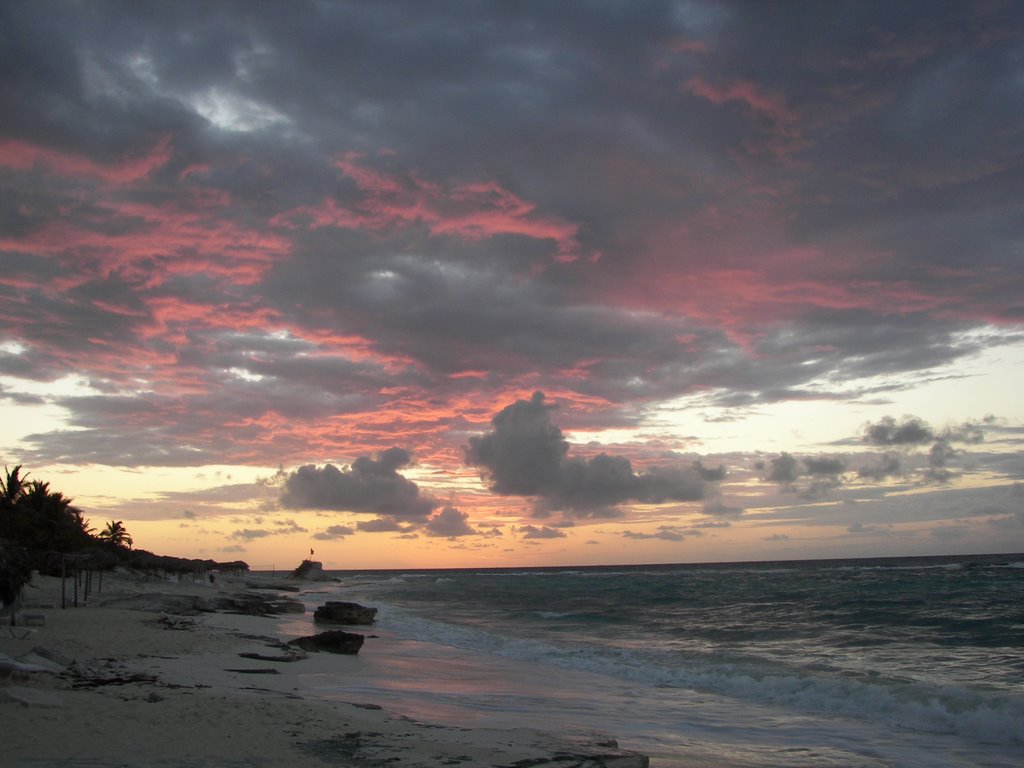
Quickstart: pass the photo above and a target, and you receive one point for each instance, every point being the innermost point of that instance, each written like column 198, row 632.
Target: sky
column 464, row 284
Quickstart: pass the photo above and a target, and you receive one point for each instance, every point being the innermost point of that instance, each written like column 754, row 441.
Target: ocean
column 901, row 662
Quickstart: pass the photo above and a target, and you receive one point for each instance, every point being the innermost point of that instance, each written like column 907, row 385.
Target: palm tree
column 12, row 487
column 116, row 535
column 41, row 520
column 15, row 572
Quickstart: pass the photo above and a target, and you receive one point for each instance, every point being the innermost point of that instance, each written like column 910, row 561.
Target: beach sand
column 126, row 687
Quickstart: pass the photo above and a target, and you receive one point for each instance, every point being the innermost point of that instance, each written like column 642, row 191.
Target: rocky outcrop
column 252, row 604
column 331, row 641
column 160, row 602
column 337, row 612
column 259, row 582
column 246, row 603
column 449, row 746
column 310, row 570
column 288, row 654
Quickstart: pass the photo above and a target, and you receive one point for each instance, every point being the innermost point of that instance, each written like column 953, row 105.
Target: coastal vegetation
column 42, row 530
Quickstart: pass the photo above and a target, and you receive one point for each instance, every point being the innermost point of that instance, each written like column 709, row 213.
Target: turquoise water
column 894, row 662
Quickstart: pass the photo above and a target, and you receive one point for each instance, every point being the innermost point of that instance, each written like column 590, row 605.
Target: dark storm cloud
column 628, row 202
column 526, row 455
column 368, row 485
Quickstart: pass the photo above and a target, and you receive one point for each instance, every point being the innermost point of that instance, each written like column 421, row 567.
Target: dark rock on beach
column 159, row 602
column 288, row 654
column 276, row 586
column 331, row 641
column 336, row 612
column 246, row 603
column 252, row 604
column 310, row 570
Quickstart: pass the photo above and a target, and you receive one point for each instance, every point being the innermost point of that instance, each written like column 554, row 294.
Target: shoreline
column 125, row 687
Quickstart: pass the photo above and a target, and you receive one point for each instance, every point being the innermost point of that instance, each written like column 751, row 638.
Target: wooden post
column 63, row 581
column 77, row 574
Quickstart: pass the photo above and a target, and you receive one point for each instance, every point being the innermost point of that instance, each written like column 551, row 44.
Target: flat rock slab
column 277, row 586
column 425, row 746
column 332, row 641
column 296, row 655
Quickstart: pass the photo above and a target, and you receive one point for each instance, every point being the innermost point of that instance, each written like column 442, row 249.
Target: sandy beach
column 121, row 682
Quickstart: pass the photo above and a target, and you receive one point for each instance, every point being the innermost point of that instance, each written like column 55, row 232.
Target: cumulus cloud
column 969, row 432
column 824, row 466
column 941, row 454
column 664, row 532
column 449, row 523
column 382, row 525
column 710, row 474
column 783, row 469
column 525, row 454
column 786, row 470
column 718, row 508
column 911, row 430
column 886, row 465
column 288, row 526
column 251, row 533
column 712, row 524
column 369, row 485
column 334, row 532
column 545, row 532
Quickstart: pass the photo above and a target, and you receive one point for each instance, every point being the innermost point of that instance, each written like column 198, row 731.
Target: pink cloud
column 757, row 100
column 144, row 243
column 471, row 212
column 20, row 155
column 158, row 243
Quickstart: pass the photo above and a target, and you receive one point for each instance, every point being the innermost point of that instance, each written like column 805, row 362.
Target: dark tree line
column 40, row 527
